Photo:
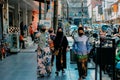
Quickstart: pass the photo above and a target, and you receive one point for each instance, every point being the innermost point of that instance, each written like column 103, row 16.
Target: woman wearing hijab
column 51, row 43
column 60, row 43
column 81, row 48
column 43, row 54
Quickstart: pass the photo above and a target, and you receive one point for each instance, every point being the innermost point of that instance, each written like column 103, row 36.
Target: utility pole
column 45, row 9
column 82, row 12
column 67, row 11
column 55, row 20
column 40, row 10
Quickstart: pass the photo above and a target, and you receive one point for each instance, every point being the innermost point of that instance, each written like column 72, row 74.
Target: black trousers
column 22, row 44
column 82, row 67
column 32, row 37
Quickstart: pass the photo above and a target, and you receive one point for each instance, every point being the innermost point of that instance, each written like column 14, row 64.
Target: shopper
column 81, row 48
column 61, row 44
column 51, row 43
column 118, row 32
column 22, row 41
column 43, row 54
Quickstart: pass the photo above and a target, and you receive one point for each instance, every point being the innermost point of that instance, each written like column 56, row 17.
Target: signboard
column 47, row 23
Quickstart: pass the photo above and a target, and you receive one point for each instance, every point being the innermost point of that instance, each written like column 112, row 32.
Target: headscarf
column 59, row 37
column 60, row 34
column 80, row 28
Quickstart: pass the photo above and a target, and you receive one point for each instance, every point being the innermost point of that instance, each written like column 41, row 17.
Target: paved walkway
column 23, row 66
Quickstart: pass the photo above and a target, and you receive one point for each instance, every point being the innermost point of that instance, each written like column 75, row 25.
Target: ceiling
column 30, row 4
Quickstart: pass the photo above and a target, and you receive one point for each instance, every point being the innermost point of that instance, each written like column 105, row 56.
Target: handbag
column 56, row 52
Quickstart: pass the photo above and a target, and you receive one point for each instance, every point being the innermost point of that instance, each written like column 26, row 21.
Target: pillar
column 25, row 16
column 55, row 20
column 17, row 15
column 25, row 20
column 29, row 17
column 5, row 17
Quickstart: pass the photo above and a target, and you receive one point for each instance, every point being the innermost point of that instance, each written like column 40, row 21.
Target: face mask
column 50, row 31
column 80, row 34
column 43, row 30
column 60, row 33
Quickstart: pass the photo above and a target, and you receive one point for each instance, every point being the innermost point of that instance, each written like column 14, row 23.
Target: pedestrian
column 51, row 43
column 21, row 28
column 43, row 54
column 61, row 44
column 22, row 41
column 31, row 32
column 118, row 32
column 81, row 48
column 102, row 34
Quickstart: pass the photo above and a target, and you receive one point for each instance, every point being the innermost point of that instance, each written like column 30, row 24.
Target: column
column 25, row 20
column 17, row 15
column 5, row 17
column 55, row 20
column 29, row 17
column 25, row 16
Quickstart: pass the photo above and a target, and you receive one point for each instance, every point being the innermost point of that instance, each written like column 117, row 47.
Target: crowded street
column 23, row 66
column 59, row 39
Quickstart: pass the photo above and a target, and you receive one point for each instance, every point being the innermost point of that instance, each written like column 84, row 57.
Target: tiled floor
column 22, row 66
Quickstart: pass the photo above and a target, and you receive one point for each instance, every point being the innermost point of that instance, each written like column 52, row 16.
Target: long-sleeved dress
column 43, row 56
column 61, row 57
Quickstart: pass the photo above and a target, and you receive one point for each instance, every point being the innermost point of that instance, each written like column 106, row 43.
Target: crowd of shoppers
column 50, row 42
column 47, row 44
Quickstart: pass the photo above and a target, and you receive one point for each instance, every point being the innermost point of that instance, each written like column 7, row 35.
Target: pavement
column 23, row 66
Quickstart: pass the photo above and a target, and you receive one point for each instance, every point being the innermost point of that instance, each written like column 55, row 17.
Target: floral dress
column 43, row 56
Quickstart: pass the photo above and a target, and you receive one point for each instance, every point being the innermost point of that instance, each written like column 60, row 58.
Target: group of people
column 47, row 44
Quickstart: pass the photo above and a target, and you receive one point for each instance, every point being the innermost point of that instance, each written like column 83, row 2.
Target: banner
column 115, row 7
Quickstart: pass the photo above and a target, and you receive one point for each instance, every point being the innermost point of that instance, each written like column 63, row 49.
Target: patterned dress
column 43, row 56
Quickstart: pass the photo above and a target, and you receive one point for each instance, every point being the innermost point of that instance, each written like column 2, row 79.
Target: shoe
column 83, row 77
column 36, row 50
column 57, row 73
column 49, row 74
column 63, row 71
column 23, row 48
column 51, row 64
column 41, row 76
